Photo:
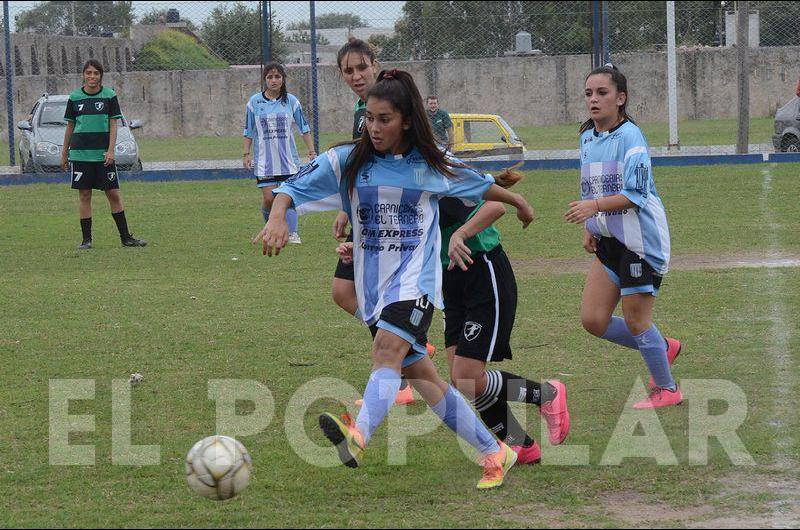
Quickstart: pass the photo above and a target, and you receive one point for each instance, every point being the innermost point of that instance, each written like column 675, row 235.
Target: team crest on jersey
column 636, row 270
column 99, row 105
column 419, row 175
column 472, row 330
column 364, row 213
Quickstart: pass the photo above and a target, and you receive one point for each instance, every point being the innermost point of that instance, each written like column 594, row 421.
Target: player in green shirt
column 89, row 141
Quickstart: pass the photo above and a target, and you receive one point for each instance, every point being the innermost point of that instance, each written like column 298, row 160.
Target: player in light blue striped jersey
column 389, row 183
column 625, row 225
column 268, row 129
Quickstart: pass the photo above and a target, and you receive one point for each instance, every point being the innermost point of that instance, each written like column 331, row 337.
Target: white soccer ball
column 218, row 467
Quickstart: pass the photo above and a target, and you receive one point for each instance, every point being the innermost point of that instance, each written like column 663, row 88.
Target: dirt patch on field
column 685, row 263
column 630, row 508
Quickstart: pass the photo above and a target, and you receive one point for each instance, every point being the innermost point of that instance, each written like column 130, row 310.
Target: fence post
column 266, row 20
column 672, row 81
column 606, row 50
column 597, row 56
column 742, row 52
column 9, row 85
column 314, row 82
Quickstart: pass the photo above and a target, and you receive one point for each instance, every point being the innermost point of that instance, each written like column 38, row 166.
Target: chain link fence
column 187, row 69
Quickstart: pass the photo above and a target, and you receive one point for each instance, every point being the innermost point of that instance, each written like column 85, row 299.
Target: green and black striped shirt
column 91, row 114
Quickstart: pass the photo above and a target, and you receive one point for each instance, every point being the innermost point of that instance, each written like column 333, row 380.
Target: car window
column 53, row 113
column 482, row 132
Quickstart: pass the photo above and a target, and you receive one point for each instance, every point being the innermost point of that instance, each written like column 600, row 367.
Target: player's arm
column 312, row 154
column 524, row 209
column 580, row 211
column 247, row 159
column 458, row 251
column 65, row 150
column 112, row 141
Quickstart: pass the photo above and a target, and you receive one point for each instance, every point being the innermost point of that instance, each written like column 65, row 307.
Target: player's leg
column 454, row 411
column 266, row 187
column 109, row 182
column 82, row 183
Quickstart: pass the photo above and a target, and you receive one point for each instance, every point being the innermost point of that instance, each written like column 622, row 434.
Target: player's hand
column 589, row 242
column 580, row 211
column 340, row 226
column 64, row 160
column 247, row 161
column 458, row 252
column 345, row 251
column 273, row 236
column 312, row 155
column 109, row 158
column 525, row 212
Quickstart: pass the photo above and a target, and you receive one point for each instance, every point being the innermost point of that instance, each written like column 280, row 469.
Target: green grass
column 709, row 132
column 182, row 311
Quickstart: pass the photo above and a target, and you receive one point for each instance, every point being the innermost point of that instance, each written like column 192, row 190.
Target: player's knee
column 85, row 195
column 267, row 203
column 464, row 378
column 594, row 325
column 637, row 324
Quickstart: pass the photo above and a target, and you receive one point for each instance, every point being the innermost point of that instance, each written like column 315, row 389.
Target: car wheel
column 790, row 144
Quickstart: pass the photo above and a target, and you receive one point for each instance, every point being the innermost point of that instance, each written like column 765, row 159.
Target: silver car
column 787, row 127
column 43, row 138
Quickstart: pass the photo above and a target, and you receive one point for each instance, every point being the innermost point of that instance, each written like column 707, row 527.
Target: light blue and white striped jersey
column 268, row 122
column 618, row 162
column 394, row 212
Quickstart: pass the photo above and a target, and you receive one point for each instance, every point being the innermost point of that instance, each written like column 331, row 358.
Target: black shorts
column 94, row 175
column 271, row 180
column 409, row 320
column 480, row 305
column 346, row 271
column 630, row 272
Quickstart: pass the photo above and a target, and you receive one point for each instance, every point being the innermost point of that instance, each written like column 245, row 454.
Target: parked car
column 787, row 127
column 483, row 135
column 42, row 138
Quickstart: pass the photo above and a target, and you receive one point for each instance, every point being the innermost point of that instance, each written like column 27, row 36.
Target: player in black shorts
column 89, row 141
column 480, row 298
column 358, row 65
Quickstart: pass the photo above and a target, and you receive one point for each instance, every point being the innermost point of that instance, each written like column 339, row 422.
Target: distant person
column 441, row 123
column 89, row 141
column 268, row 129
column 797, row 90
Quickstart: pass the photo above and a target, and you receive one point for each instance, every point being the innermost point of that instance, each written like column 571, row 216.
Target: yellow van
column 483, row 135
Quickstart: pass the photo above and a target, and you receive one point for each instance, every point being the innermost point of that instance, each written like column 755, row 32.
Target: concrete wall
column 537, row 90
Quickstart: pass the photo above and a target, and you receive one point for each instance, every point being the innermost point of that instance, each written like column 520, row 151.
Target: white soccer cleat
column 294, row 237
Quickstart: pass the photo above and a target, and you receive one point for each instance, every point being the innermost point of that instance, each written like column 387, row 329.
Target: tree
column 304, row 37
column 233, row 32
column 87, row 18
column 430, row 29
column 159, row 16
column 332, row 21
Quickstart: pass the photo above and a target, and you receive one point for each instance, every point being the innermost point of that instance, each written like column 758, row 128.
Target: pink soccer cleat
column 660, row 397
column 556, row 414
column 528, row 455
column 674, row 347
column 405, row 396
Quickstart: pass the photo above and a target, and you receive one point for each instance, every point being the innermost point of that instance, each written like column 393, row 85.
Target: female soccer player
column 358, row 66
column 480, row 300
column 269, row 118
column 89, row 143
column 626, row 228
column 389, row 182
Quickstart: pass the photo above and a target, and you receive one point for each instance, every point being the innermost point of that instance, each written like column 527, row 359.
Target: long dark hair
column 398, row 88
column 94, row 63
column 359, row 46
column 279, row 67
column 621, row 82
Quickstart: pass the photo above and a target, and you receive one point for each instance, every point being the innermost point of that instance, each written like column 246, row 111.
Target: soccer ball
column 218, row 467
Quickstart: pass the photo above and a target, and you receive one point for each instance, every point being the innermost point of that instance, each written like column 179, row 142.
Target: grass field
column 200, row 303
column 692, row 133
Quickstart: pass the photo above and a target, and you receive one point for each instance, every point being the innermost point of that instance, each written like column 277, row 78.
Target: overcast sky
column 376, row 14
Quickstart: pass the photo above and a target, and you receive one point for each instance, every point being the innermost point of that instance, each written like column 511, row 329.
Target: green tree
column 233, row 32
column 159, row 16
column 87, row 18
column 431, row 29
column 331, row 21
